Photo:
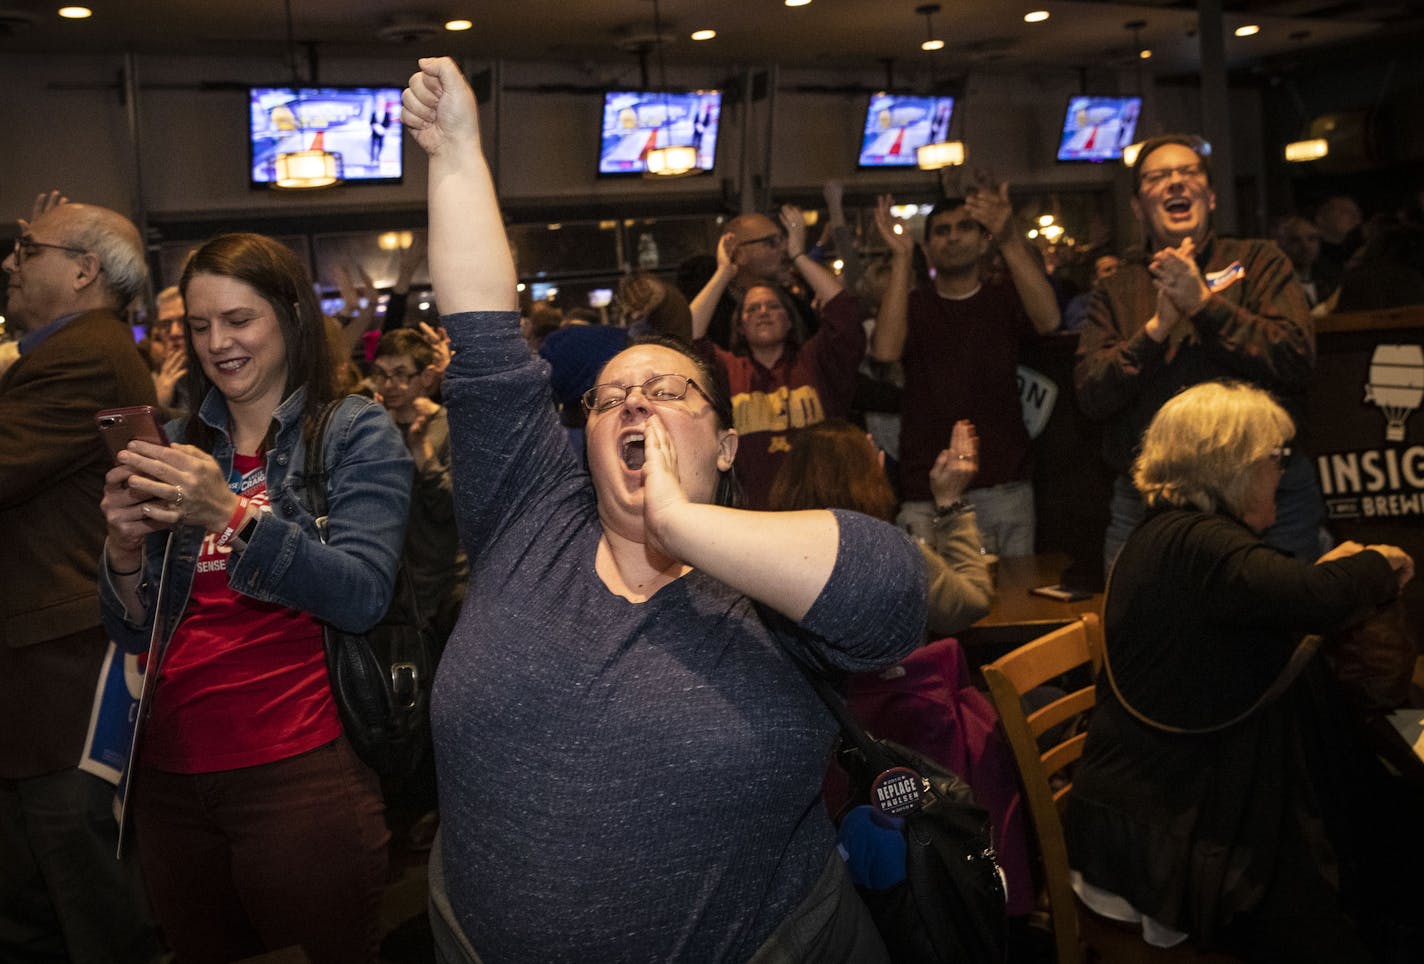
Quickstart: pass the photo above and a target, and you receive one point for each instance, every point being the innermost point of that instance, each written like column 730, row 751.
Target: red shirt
column 243, row 682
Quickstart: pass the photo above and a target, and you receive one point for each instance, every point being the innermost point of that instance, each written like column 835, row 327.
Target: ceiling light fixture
column 946, row 153
column 75, row 13
column 704, row 34
column 1309, row 150
column 669, row 160
column 932, row 42
column 457, row 25
column 797, row 3
column 1248, row 30
column 313, row 166
column 1036, row 16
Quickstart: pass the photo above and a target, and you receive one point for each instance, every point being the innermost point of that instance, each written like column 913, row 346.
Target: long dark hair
column 795, row 335
column 729, row 490
column 832, row 465
column 272, row 270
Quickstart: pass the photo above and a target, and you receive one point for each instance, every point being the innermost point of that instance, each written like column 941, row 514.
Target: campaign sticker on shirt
column 1226, row 277
column 897, row 792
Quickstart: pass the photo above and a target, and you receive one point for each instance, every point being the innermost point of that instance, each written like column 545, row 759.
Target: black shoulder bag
column 951, row 906
column 380, row 679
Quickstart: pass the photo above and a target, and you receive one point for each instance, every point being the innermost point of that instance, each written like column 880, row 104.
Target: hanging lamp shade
column 932, row 157
column 307, row 169
column 672, row 161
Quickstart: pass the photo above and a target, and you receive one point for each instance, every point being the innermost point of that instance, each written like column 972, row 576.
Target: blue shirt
column 626, row 781
column 33, row 339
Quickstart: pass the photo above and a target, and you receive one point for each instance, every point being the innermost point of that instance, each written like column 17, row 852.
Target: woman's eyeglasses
column 659, row 388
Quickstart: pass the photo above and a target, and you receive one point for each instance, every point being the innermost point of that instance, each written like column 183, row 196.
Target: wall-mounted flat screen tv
column 636, row 122
column 361, row 124
column 1098, row 128
column 897, row 125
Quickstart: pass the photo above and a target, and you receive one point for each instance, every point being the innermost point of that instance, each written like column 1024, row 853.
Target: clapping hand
column 727, row 251
column 417, row 440
column 892, row 229
column 1177, row 277
column 989, row 204
column 955, row 467
column 795, row 223
column 169, row 374
column 439, row 340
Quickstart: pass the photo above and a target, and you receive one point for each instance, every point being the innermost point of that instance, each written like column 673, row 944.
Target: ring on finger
column 178, row 499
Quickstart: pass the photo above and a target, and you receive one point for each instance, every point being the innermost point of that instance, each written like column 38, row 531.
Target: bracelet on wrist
column 238, row 515
column 953, row 509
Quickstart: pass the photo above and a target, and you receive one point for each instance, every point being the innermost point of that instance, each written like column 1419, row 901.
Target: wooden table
column 1017, row 615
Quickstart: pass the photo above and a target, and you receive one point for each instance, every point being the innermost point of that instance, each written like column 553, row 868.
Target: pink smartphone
column 119, row 426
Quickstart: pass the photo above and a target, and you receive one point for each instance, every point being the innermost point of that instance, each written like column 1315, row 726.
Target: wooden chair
column 1079, row 935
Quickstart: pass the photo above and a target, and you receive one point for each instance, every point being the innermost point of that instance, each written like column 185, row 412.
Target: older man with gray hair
column 63, row 896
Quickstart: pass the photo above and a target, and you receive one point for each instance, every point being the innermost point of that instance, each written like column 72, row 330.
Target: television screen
column 896, row 125
column 1098, row 128
column 635, row 122
column 361, row 124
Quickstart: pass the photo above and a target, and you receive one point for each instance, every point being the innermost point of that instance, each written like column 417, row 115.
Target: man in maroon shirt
column 958, row 339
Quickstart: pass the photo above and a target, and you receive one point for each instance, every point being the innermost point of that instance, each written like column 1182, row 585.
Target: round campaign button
column 897, row 792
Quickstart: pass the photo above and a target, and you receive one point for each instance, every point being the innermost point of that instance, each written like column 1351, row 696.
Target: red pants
column 244, row 861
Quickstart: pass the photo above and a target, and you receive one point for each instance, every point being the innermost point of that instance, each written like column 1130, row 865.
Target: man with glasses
column 759, row 255
column 1192, row 308
column 63, row 896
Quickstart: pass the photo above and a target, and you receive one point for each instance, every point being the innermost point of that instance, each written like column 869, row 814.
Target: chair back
column 1046, row 781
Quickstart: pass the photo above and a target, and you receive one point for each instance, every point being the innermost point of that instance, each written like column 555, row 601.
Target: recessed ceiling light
column 932, row 45
column 458, row 24
column 1248, row 29
column 75, row 13
column 797, row 3
column 1145, row 54
column 703, row 34
column 1036, row 16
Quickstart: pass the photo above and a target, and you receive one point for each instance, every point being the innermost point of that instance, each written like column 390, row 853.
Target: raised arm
column 704, row 303
column 821, row 279
column 887, row 341
column 470, row 265
column 990, row 206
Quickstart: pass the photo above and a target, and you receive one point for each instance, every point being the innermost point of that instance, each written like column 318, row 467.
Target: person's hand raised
column 795, row 223
column 45, row 202
column 990, row 206
column 956, row 466
column 892, row 229
column 438, row 107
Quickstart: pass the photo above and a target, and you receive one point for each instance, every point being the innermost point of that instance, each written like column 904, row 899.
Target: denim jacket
column 348, row 581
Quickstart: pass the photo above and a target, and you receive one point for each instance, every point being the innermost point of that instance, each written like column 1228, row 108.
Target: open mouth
column 1177, row 205
column 230, row 366
column 632, row 451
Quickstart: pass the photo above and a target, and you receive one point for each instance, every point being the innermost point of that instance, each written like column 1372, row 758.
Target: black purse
column 380, row 679
column 952, row 904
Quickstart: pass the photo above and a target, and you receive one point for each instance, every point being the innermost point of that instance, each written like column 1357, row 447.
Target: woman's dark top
column 627, row 781
column 1200, row 618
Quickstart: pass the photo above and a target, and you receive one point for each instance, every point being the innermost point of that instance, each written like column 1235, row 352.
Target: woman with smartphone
column 257, row 826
